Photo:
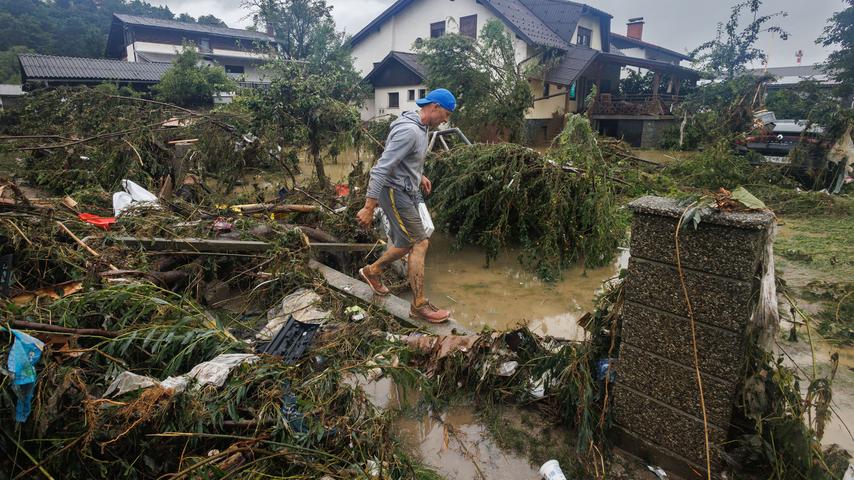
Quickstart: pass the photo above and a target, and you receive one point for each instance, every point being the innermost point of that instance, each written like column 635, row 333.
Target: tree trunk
column 318, row 164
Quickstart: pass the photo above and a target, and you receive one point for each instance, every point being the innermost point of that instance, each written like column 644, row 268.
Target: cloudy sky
column 676, row 24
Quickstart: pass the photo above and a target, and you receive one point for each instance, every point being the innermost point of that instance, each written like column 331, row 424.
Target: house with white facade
column 384, row 53
column 141, row 49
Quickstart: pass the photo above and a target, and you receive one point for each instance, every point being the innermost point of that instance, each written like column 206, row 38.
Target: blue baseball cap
column 441, row 97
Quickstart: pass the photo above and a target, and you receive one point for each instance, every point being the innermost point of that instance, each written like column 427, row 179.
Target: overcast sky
column 679, row 25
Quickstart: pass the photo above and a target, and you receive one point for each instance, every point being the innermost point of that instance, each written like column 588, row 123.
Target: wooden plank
column 344, row 247
column 396, row 306
column 204, row 245
column 192, row 244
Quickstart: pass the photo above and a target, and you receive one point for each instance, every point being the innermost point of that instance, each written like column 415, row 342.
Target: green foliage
column 493, row 92
column 840, row 32
column 210, row 20
column 782, row 445
column 722, row 108
column 796, row 103
column 559, row 208
column 637, row 84
column 301, row 110
column 298, row 25
column 10, row 71
column 305, row 31
column 734, row 47
column 715, row 167
column 691, row 138
column 190, row 83
column 118, row 127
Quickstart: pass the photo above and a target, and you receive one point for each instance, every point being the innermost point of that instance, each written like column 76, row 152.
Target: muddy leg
column 416, row 271
column 391, row 254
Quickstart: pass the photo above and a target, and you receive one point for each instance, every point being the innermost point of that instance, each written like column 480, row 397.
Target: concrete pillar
column 656, row 400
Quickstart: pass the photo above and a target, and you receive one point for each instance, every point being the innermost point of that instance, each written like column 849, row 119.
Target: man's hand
column 426, row 185
column 365, row 217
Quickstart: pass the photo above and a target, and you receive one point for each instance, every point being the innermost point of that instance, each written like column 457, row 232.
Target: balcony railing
column 634, row 104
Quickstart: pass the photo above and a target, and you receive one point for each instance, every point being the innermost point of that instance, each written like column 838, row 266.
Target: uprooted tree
column 559, row 207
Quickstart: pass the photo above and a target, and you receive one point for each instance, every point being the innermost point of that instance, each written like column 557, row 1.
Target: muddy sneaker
column 429, row 313
column 374, row 281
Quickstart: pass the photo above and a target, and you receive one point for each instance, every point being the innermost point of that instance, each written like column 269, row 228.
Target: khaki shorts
column 405, row 224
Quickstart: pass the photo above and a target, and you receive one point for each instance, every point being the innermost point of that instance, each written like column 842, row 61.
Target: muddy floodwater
column 505, row 294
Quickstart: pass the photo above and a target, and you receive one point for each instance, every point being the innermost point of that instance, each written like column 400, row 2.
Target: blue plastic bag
column 23, row 357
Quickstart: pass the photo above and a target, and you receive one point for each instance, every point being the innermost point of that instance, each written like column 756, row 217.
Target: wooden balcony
column 634, row 105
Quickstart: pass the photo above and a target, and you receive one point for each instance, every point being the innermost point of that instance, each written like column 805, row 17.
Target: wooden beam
column 656, row 83
column 395, row 306
column 202, row 245
column 677, row 83
column 343, row 247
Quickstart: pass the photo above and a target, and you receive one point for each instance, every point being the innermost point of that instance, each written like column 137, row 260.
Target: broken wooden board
column 205, row 245
column 192, row 244
column 394, row 305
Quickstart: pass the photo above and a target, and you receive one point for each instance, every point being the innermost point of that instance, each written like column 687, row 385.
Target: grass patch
column 822, row 243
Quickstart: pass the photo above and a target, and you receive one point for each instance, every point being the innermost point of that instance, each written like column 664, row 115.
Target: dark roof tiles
column 49, row 67
column 622, row 41
column 571, row 65
column 526, row 24
column 193, row 27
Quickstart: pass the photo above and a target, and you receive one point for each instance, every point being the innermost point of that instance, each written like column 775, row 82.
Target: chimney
column 634, row 28
column 270, row 30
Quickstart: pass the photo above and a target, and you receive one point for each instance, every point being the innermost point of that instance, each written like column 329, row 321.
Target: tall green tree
column 301, row 27
column 306, row 33
column 315, row 88
column 840, row 33
column 734, row 46
column 299, row 109
column 493, row 91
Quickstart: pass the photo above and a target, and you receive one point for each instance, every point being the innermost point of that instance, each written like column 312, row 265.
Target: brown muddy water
column 453, row 443
column 506, row 295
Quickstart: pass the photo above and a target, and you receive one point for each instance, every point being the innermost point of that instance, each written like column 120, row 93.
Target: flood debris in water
column 154, row 324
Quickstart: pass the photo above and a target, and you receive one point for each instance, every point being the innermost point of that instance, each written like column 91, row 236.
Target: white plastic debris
column 551, row 471
column 849, row 474
column 538, row 387
column 426, row 219
column 132, row 196
column 658, row 471
column 213, row 372
column 507, row 369
column 128, row 382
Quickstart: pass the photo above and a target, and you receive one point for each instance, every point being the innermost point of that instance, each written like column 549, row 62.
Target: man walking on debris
column 394, row 186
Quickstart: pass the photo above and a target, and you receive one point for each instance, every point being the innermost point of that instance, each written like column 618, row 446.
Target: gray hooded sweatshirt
column 402, row 162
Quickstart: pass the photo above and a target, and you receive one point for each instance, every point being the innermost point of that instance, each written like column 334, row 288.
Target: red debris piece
column 100, row 222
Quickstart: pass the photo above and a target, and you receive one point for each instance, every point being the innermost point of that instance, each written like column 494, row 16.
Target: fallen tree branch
column 43, row 327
